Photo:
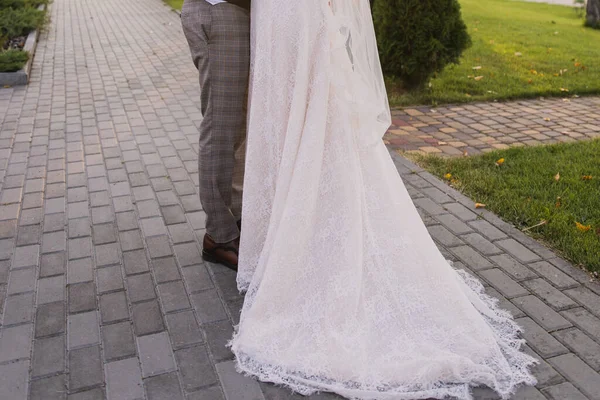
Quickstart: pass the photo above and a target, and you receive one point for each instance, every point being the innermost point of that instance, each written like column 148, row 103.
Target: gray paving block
column 563, row 391
column 158, row 246
column 147, row 318
column 163, row 387
column 513, row 267
column 539, row 340
column 188, row 254
column 181, row 233
column 549, row 294
column 156, row 354
column 153, row 227
column 107, row 254
column 48, row 356
column 85, row 368
column 237, row 386
column 195, row 367
column 124, row 380
column 52, row 388
column 50, row 319
column 173, row 214
column 14, row 380
column 113, row 307
column 218, row 335
column 135, row 262
column 517, row 250
column 140, row 288
column 165, row 270
column 528, row 393
column 586, row 298
column 543, row 372
column 454, row 224
column 15, row 342
column 579, row 373
column 503, row 283
column 117, row 340
column 471, row 258
column 80, row 248
column 197, row 278
column 4, row 271
column 226, row 282
column 51, row 289
column 554, row 275
column 80, row 271
column 127, row 221
column 480, row 243
column 131, row 240
column 461, row 211
column 52, row 264
column 28, row 235
column 209, row 307
column 26, row 256
column 22, row 281
column 184, row 329
column 173, row 296
column 584, row 320
column 566, row 267
column 444, row 236
column 83, row 330
column 104, row 233
column 211, row 393
column 488, row 230
column 109, row 279
column 18, row 309
column 582, row 345
column 542, row 313
column 93, row 394
column 82, row 297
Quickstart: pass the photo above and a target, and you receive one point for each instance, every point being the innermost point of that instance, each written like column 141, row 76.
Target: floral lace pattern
column 345, row 289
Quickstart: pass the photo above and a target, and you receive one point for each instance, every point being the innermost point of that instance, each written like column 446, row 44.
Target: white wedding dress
column 346, row 291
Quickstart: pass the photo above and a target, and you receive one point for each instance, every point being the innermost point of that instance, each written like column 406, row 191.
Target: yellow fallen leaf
column 546, row 119
column 533, row 71
column 448, row 176
column 477, row 67
column 478, row 78
column 557, row 177
column 586, row 177
column 518, row 54
column 465, row 153
column 564, row 89
column 558, row 202
column 500, row 162
column 479, row 205
column 583, row 228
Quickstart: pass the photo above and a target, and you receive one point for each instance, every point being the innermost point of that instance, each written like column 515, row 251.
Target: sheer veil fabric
column 346, row 291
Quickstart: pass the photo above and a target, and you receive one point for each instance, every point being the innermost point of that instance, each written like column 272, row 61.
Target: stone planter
column 21, row 77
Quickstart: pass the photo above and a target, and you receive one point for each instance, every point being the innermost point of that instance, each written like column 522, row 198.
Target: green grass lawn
column 524, row 191
column 521, row 49
column 176, row 4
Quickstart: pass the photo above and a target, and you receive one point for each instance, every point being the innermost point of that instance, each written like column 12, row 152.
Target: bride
column 346, row 291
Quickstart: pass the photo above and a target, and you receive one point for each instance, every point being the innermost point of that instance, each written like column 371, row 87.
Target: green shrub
column 21, row 3
column 12, row 60
column 19, row 21
column 418, row 38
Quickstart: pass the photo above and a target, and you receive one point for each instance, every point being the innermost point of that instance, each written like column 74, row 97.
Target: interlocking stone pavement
column 103, row 293
column 462, row 130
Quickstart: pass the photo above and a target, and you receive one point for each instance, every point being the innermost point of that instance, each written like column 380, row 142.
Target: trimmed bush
column 12, row 60
column 418, row 38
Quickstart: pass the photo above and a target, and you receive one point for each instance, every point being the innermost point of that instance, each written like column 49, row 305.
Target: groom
column 218, row 33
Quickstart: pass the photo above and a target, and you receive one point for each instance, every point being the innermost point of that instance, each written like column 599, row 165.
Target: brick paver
column 103, row 293
column 454, row 131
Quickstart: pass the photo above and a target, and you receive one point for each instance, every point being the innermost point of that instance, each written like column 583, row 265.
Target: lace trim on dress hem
column 500, row 321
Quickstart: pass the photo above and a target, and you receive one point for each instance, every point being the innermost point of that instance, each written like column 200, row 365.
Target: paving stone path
column 103, row 293
column 475, row 128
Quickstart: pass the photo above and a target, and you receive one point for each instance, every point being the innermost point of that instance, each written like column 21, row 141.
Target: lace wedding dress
column 346, row 291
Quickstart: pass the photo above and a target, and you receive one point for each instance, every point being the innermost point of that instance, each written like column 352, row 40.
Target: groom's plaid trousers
column 219, row 40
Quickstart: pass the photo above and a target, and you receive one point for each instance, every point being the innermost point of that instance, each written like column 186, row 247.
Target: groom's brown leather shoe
column 225, row 254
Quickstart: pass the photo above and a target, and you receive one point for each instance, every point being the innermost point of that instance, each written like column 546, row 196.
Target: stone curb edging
column 21, row 77
column 406, row 167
